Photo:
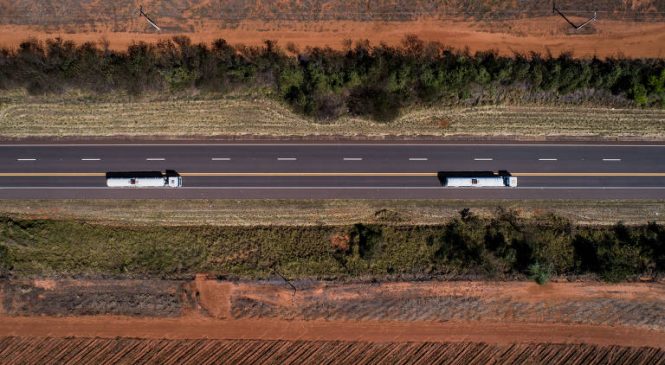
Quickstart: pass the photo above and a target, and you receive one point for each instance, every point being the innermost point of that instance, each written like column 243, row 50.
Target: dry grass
column 239, row 115
column 317, row 212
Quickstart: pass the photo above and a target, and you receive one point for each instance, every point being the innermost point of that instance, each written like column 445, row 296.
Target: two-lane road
column 291, row 170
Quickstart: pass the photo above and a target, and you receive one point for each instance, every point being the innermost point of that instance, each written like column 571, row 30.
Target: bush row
column 375, row 81
column 505, row 246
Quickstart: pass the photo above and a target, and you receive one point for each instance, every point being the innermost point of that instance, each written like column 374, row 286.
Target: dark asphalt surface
column 336, row 158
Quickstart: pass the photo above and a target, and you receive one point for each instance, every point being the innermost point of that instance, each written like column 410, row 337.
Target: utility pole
column 577, row 27
column 143, row 14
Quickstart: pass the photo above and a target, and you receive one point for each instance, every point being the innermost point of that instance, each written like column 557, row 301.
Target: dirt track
column 608, row 38
column 373, row 331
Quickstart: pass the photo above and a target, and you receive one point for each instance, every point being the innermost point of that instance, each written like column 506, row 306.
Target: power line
column 77, row 12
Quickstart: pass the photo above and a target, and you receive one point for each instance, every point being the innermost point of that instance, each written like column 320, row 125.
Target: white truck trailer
column 480, row 181
column 143, row 180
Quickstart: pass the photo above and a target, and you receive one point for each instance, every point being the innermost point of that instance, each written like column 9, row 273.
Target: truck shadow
column 135, row 174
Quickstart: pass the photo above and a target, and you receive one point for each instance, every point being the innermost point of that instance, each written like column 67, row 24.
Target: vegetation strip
column 503, row 246
column 376, row 82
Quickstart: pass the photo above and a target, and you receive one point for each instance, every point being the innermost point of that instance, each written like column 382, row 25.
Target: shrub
column 5, row 260
column 540, row 273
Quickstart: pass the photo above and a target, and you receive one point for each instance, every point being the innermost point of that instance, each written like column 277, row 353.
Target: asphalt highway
column 291, row 170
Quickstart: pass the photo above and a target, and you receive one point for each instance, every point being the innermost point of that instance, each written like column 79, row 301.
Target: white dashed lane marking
column 26, row 159
column 90, row 159
column 547, row 159
column 155, row 159
column 483, row 159
column 221, row 159
column 418, row 159
column 612, row 159
column 353, row 159
column 286, row 158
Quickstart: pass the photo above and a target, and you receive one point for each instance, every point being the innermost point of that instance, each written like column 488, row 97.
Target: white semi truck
column 143, row 179
column 480, row 181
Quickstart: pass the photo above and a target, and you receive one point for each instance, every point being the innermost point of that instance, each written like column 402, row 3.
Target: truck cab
column 174, row 181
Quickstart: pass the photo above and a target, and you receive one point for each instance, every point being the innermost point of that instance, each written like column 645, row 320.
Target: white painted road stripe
column 221, row 159
column 418, row 159
column 547, row 159
column 440, row 188
column 611, row 159
column 90, row 159
column 483, row 159
column 286, row 158
column 26, row 159
column 353, row 159
column 155, row 159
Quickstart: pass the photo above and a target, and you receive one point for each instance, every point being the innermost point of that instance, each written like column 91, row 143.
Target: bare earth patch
column 539, row 34
column 495, row 313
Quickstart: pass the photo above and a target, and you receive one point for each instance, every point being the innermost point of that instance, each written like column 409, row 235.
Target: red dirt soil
column 372, row 331
column 211, row 317
column 607, row 38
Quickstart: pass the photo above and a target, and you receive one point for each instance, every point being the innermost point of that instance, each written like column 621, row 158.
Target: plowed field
column 15, row 350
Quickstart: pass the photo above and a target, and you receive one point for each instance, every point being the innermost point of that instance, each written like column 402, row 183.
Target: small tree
column 540, row 273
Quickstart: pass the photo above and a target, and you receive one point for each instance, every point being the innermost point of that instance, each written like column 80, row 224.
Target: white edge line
column 483, row 159
column 286, row 159
column 612, row 159
column 547, row 159
column 26, row 159
column 417, row 158
column 341, row 188
column 221, row 159
column 90, row 159
column 155, row 159
column 353, row 159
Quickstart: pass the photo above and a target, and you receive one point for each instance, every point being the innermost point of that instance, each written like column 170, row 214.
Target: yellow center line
column 591, row 174
column 340, row 174
column 307, row 174
column 51, row 174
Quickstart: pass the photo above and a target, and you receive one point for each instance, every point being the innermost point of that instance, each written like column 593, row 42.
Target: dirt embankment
column 498, row 313
column 635, row 305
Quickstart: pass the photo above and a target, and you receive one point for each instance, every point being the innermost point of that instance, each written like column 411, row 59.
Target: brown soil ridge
column 15, row 350
column 195, row 327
